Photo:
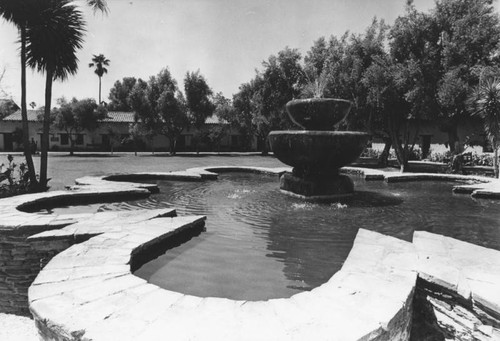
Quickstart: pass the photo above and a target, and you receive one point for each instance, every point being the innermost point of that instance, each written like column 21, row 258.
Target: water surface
column 261, row 244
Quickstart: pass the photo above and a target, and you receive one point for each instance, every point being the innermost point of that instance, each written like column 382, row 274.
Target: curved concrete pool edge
column 89, row 293
column 20, row 223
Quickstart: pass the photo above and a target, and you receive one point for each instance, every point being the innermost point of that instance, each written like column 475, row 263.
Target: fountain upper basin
column 320, row 150
column 317, row 113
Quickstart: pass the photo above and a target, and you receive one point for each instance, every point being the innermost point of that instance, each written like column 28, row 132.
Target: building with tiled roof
column 113, row 131
column 112, row 116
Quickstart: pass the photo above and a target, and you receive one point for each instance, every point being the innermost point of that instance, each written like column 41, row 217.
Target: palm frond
column 53, row 39
column 485, row 103
column 98, row 5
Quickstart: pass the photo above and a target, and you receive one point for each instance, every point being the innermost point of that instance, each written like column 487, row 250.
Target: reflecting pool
column 261, row 244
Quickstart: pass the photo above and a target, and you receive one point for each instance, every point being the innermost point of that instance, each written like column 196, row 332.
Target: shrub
column 14, row 179
column 370, row 152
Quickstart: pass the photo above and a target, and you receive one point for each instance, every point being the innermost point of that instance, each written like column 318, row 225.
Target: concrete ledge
column 16, row 226
column 87, row 292
column 366, row 173
column 462, row 282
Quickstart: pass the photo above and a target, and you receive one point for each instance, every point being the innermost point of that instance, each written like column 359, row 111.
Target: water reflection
column 261, row 244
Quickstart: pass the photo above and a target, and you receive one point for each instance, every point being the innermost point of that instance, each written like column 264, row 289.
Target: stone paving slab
column 388, row 274
column 471, row 271
column 97, row 223
column 110, row 305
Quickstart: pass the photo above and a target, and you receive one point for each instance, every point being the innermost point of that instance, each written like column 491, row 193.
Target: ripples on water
column 262, row 244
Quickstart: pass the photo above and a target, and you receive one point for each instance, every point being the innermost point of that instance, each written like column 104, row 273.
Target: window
column 79, row 139
column 64, row 139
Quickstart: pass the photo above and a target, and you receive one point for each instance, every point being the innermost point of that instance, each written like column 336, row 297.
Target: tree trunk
column 71, row 144
column 495, row 161
column 265, row 145
column 384, row 156
column 24, row 113
column 401, row 155
column 453, row 139
column 172, row 145
column 99, row 91
column 46, row 128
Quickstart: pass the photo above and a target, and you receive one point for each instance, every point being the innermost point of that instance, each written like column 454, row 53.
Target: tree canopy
column 160, row 107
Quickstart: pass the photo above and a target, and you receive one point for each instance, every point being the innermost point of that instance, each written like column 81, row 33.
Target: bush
column 14, row 179
column 440, row 157
column 370, row 152
column 482, row 160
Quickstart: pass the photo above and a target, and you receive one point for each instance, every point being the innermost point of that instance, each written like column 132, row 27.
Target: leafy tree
column 147, row 122
column 119, row 94
column 78, row 115
column 198, row 103
column 135, row 135
column 198, row 95
column 347, row 60
column 241, row 117
column 278, row 83
column 224, row 111
column 414, row 55
column 485, row 103
column 160, row 107
column 99, row 62
column 114, row 139
column 467, row 36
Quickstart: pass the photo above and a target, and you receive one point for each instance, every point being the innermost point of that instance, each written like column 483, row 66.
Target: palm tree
column 51, row 44
column 21, row 13
column 99, row 62
column 485, row 103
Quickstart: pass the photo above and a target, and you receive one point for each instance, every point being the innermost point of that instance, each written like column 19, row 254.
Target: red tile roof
column 113, row 116
column 119, row 116
column 215, row 120
column 32, row 116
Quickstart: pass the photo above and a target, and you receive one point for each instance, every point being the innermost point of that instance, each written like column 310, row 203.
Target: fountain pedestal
column 318, row 189
column 317, row 155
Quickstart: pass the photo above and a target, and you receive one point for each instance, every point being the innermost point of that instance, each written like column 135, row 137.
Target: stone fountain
column 317, row 152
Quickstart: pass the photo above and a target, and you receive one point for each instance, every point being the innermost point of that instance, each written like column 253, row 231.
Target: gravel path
column 17, row 328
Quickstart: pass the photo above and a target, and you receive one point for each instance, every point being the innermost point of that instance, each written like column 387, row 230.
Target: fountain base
column 324, row 189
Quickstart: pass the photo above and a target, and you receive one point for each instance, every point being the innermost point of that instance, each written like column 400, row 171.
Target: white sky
column 226, row 39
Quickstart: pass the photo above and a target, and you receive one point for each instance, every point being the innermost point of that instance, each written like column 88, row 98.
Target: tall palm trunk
column 24, row 111
column 494, row 143
column 46, row 129
column 99, row 91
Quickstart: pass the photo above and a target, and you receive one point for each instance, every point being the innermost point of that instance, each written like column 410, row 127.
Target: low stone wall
column 459, row 285
column 361, row 286
column 88, row 293
column 371, row 298
column 20, row 262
